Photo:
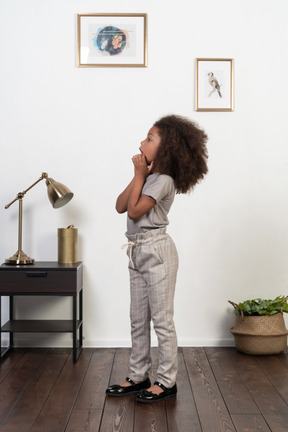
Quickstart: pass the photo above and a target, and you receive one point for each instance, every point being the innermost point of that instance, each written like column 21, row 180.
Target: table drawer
column 38, row 281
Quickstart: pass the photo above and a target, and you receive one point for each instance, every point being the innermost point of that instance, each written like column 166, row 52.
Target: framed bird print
column 214, row 84
column 115, row 40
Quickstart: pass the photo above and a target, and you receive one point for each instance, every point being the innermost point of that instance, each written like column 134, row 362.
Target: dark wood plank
column 121, row 410
column 210, row 405
column 283, row 357
column 250, row 423
column 276, row 373
column 181, row 412
column 42, row 390
column 234, row 392
column 87, row 412
column 118, row 414
column 8, row 363
column 14, row 385
column 269, row 401
column 24, row 412
column 84, row 421
column 58, row 407
column 150, row 417
column 92, row 392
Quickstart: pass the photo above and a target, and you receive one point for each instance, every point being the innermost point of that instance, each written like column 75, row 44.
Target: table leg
column 74, row 328
column 77, row 308
column 11, row 317
column 0, row 326
column 81, row 319
column 5, row 350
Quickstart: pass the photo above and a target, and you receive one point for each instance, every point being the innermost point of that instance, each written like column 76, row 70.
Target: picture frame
column 214, row 84
column 112, row 40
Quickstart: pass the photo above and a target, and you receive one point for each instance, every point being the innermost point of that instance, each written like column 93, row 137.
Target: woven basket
column 260, row 335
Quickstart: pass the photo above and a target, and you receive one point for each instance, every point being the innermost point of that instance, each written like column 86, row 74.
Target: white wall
column 82, row 125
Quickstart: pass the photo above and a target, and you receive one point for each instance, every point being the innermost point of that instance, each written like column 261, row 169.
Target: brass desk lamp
column 58, row 194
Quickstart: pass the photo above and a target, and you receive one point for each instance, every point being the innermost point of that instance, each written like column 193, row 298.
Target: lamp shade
column 58, row 194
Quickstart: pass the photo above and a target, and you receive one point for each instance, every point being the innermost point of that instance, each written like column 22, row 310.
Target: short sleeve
column 159, row 187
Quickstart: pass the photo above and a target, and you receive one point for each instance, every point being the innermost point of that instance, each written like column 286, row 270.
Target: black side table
column 43, row 279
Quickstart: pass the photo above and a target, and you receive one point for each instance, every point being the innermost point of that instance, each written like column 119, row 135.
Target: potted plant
column 259, row 326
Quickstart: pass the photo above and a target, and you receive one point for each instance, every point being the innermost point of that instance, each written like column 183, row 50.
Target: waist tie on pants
column 130, row 244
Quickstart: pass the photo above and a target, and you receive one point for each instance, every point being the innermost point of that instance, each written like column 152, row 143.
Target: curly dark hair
column 182, row 153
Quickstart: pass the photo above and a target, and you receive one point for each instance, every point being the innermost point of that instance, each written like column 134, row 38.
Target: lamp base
column 19, row 258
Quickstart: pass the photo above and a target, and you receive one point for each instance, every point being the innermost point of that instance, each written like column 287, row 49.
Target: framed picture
column 214, row 84
column 112, row 40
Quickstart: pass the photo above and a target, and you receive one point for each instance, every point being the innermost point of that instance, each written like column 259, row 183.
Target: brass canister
column 67, row 245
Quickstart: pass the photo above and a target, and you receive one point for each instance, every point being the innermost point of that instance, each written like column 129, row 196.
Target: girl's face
column 150, row 145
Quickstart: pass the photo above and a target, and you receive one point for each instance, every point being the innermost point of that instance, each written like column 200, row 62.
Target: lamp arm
column 20, row 195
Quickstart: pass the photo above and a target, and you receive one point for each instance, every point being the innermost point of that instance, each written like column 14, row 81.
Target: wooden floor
column 219, row 389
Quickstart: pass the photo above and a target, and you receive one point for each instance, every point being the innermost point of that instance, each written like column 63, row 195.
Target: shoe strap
column 130, row 380
column 160, row 385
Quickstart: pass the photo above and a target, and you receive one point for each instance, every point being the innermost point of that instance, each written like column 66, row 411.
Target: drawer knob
column 36, row 274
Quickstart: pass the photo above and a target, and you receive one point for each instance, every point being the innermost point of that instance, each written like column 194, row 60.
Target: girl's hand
column 140, row 166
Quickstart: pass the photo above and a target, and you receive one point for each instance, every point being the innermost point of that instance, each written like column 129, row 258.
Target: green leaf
column 262, row 306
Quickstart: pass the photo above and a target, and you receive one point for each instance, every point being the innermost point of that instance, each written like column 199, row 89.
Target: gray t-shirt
column 160, row 187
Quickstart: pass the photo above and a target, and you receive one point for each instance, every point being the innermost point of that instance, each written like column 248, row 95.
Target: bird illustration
column 214, row 83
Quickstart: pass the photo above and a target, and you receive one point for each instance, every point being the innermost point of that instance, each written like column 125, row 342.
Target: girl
column 172, row 159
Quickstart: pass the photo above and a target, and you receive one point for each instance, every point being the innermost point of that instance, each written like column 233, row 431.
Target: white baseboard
column 181, row 343
column 61, row 341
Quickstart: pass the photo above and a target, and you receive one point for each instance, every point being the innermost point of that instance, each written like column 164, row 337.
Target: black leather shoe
column 146, row 396
column 117, row 390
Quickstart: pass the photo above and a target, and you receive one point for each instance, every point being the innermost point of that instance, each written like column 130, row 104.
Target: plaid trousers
column 153, row 265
